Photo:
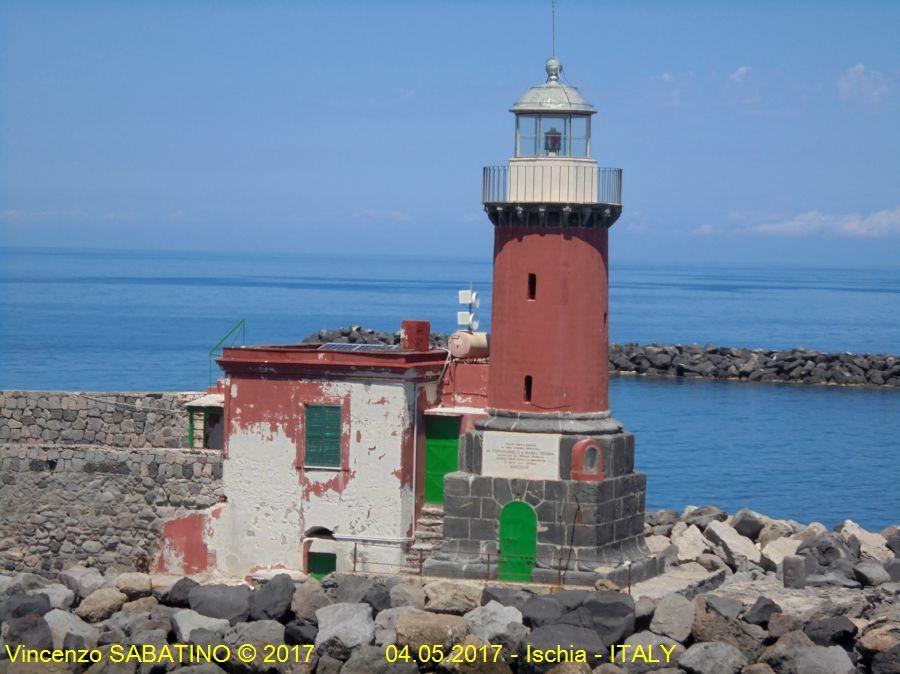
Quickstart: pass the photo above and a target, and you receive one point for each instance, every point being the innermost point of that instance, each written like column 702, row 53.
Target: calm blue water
column 146, row 320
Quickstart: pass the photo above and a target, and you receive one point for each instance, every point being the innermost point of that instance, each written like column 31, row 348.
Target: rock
column 480, row 665
column 134, row 585
column 811, row 531
column 887, row 662
column 762, row 609
column 780, row 654
column 449, row 596
column 836, row 631
column 540, row 611
column 343, row 627
column 877, row 638
column 774, row 530
column 656, row 544
column 492, row 620
column 349, row 588
column 30, row 631
column 58, row 594
column 612, row 615
column 143, row 605
column 873, row 546
column 308, row 598
column 299, row 632
column 186, row 621
column 690, row 544
column 565, row 636
column 712, row 658
column 571, row 668
column 892, row 568
column 870, row 573
column 735, row 546
column 758, row 668
column 608, row 668
column 725, row 607
column 643, row 613
column 100, row 604
column 673, row 618
column 710, row 626
column 826, row 552
column 506, row 595
column 63, row 624
column 231, row 602
column 782, row 623
column 386, row 623
column 259, row 634
column 328, row 665
column 775, row 552
column 701, row 517
column 748, row 523
column 272, row 600
column 664, row 649
column 793, row 572
column 82, row 580
column 407, row 594
column 822, row 660
column 415, row 630
column 371, row 660
column 178, row 593
column 21, row 604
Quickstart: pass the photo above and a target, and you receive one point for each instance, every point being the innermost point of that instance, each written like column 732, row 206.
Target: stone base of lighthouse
column 546, row 498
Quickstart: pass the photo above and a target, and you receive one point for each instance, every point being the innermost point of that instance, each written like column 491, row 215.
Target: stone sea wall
column 110, row 419
column 100, row 506
column 800, row 366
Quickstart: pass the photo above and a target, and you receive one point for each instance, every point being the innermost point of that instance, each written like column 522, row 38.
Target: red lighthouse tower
column 547, row 488
column 551, row 207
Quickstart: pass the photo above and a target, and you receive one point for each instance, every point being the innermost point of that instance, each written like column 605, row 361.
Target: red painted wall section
column 184, row 546
column 465, row 384
column 560, row 337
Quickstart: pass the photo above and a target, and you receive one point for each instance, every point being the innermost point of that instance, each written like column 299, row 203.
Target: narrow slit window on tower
column 528, row 388
column 532, row 286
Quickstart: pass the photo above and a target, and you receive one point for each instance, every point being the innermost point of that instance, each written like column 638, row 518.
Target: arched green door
column 518, row 541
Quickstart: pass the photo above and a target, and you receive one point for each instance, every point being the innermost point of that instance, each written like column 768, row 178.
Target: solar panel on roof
column 343, row 346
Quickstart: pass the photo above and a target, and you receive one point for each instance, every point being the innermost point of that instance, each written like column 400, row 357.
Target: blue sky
column 755, row 132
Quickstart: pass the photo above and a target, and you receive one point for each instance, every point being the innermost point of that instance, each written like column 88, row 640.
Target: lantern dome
column 553, row 95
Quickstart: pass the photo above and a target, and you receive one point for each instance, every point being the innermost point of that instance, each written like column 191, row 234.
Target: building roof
column 553, row 95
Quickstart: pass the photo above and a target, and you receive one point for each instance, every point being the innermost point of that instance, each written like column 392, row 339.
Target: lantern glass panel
column 526, row 135
column 554, row 136
column 579, row 146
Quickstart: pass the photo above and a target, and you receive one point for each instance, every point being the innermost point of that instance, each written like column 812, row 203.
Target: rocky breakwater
column 798, row 366
column 733, row 616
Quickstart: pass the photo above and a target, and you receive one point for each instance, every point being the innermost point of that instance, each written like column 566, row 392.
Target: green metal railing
column 237, row 332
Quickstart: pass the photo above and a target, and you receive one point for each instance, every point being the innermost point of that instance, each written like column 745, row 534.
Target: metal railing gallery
column 551, row 180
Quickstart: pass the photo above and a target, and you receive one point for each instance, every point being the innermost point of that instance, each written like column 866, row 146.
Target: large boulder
column 30, row 631
column 702, row 517
column 407, row 594
column 832, row 631
column 22, row 604
column 506, row 595
column 231, row 602
column 259, row 634
column 488, row 665
column 272, row 600
column 737, row 548
column 748, row 523
column 134, row 585
column 82, row 580
column 57, row 594
column 761, row 611
column 822, row 660
column 711, row 626
column 451, row 596
column 550, row 637
column 343, row 627
column 775, row 552
column 308, row 598
column 872, row 546
column 372, row 660
column 827, row 552
column 186, row 621
column 712, row 657
column 63, row 624
column 870, row 573
column 774, row 530
column 386, row 623
column 541, row 610
column 673, row 617
column 728, row 608
column 665, row 652
column 887, row 662
column 300, row 631
column 178, row 593
column 415, row 630
column 690, row 544
column 780, row 655
column 100, row 604
column 491, row 621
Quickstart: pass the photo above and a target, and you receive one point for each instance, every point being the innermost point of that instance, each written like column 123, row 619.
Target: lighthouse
column 546, row 489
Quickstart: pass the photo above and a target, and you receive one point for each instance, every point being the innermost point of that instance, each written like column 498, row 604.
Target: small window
column 590, row 460
column 320, row 564
column 532, row 286
column 323, row 436
column 528, row 388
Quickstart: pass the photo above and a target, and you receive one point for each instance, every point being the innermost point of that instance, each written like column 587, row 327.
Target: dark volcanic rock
column 299, row 632
column 540, row 611
column 178, row 593
column 761, row 611
column 30, row 631
column 230, row 602
column 831, row 631
column 20, row 605
column 272, row 600
column 565, row 636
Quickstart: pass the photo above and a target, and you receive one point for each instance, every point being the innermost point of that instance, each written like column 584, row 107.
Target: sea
column 101, row 320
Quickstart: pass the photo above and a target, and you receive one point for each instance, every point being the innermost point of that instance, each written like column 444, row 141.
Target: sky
column 757, row 132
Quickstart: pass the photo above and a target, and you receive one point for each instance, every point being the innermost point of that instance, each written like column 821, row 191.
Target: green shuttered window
column 323, row 436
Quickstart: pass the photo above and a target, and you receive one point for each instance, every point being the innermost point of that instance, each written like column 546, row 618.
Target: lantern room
column 553, row 119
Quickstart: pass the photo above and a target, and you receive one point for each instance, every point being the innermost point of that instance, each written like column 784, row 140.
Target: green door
column 320, row 564
column 518, row 541
column 441, row 454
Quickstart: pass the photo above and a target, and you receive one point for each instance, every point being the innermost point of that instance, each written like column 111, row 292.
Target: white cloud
column 666, row 77
column 704, row 230
column 812, row 223
column 882, row 223
column 860, row 84
column 739, row 74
